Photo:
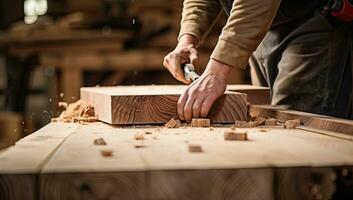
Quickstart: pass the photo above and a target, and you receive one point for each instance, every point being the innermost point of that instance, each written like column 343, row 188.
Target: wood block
column 194, row 148
column 292, row 124
column 270, row 122
column 155, row 104
column 235, row 135
column 199, row 122
column 172, row 123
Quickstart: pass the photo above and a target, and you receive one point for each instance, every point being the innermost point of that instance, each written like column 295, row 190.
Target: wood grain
column 93, row 186
column 18, row 187
column 156, row 104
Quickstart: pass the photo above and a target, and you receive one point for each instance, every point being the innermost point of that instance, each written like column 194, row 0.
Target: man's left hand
column 199, row 97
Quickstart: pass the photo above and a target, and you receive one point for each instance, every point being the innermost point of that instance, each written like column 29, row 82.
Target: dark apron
column 305, row 60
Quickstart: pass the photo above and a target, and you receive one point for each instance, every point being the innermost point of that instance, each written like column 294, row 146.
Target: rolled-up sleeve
column 198, row 16
column 246, row 26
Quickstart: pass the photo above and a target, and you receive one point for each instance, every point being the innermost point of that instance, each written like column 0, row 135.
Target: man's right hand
column 184, row 52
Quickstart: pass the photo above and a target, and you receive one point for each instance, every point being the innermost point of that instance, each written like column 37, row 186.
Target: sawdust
column 78, row 112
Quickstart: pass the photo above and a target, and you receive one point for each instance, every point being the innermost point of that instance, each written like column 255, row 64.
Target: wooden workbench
column 60, row 161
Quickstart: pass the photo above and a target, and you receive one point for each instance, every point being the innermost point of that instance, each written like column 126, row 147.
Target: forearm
column 247, row 24
column 197, row 16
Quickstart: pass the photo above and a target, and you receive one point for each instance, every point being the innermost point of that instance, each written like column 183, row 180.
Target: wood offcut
column 236, row 135
column 200, row 122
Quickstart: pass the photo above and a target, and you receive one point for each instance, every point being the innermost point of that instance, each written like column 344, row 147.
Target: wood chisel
column 189, row 72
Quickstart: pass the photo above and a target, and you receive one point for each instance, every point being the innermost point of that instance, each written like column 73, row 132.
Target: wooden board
column 155, row 104
column 256, row 95
column 320, row 122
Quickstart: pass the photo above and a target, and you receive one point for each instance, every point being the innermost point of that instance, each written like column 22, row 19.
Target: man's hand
column 199, row 97
column 185, row 52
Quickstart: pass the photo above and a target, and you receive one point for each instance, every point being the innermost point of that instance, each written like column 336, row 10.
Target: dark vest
column 289, row 9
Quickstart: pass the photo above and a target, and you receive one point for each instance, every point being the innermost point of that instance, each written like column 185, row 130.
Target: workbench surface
column 68, row 147
column 61, row 155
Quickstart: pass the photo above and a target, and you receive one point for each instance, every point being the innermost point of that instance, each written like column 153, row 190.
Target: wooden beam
column 155, row 104
column 256, row 94
column 321, row 122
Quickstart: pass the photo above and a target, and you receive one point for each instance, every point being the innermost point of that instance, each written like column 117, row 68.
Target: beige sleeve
column 198, row 16
column 247, row 25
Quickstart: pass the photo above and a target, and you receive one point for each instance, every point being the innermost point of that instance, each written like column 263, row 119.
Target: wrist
column 187, row 40
column 218, row 69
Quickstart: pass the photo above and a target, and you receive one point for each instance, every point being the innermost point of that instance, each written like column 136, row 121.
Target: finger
column 178, row 72
column 165, row 62
column 188, row 108
column 181, row 103
column 206, row 105
column 196, row 108
column 194, row 57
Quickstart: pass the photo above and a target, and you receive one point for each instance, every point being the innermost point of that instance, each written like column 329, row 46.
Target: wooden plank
column 256, row 94
column 155, row 104
column 322, row 122
column 167, row 149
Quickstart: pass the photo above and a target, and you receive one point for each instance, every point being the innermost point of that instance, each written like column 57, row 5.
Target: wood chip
column 172, row 123
column 263, row 130
column 106, row 152
column 139, row 146
column 63, row 105
column 245, row 124
column 195, row 148
column 139, row 136
column 148, row 132
column 54, row 120
column 236, row 135
column 270, row 122
column 292, row 124
column 241, row 124
column 200, row 122
column 99, row 141
column 260, row 120
column 211, row 129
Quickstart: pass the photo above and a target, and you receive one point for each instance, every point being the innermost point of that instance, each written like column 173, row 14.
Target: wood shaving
column 77, row 112
column 63, row 105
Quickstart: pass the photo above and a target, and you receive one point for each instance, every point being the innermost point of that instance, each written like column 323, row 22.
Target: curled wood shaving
column 78, row 112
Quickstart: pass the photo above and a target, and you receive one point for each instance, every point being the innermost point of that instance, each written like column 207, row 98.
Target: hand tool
column 189, row 72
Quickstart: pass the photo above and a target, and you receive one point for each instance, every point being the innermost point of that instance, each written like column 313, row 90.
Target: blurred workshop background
column 51, row 48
